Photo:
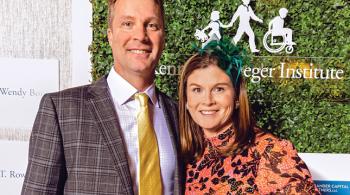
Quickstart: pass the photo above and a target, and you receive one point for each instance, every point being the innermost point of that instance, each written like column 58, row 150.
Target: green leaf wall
column 313, row 114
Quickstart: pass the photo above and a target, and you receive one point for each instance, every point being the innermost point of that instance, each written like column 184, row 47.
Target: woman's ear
column 237, row 104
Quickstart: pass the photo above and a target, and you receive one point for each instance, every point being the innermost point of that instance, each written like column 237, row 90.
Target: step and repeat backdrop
column 299, row 76
column 22, row 84
column 40, row 52
column 298, row 79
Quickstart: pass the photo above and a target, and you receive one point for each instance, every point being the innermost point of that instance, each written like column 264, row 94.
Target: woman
column 225, row 152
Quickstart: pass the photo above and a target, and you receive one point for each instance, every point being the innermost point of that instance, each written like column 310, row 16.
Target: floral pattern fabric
column 270, row 166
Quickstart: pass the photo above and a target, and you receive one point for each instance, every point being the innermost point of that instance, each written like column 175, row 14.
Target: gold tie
column 150, row 182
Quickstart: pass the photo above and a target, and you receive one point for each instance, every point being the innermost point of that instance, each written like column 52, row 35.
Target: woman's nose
column 208, row 99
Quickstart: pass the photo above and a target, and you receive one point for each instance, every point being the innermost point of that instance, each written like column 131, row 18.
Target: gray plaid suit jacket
column 76, row 146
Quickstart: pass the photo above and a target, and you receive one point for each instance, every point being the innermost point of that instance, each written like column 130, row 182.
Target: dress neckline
column 221, row 139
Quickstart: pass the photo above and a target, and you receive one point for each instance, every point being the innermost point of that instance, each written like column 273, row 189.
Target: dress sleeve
column 281, row 170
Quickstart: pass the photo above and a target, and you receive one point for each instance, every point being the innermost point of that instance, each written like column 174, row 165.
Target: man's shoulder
column 165, row 98
column 79, row 91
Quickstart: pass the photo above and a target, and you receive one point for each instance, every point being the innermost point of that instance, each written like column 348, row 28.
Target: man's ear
column 110, row 36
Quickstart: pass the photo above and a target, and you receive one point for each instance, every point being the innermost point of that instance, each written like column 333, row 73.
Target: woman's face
column 210, row 99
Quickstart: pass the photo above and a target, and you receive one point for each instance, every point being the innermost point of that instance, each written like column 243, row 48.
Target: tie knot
column 142, row 98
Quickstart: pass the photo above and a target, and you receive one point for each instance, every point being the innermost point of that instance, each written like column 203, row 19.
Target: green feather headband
column 231, row 57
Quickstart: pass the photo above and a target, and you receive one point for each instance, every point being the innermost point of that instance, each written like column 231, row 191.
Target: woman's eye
column 196, row 90
column 219, row 89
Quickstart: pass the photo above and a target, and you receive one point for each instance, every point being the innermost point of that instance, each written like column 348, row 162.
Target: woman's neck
column 208, row 133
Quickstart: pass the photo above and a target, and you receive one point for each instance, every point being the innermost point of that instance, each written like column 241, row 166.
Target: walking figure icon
column 245, row 13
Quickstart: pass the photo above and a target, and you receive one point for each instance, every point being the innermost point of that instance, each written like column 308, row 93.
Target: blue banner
column 333, row 187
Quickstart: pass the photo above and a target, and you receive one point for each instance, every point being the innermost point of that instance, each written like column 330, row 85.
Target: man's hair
column 192, row 140
column 111, row 4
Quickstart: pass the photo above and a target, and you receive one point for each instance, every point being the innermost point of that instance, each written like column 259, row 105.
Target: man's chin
column 144, row 70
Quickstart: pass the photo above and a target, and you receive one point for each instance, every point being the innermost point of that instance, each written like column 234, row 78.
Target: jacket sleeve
column 46, row 172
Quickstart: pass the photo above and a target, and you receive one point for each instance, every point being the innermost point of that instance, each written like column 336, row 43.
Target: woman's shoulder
column 281, row 170
column 267, row 142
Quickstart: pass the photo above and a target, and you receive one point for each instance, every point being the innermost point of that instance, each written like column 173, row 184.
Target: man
column 85, row 139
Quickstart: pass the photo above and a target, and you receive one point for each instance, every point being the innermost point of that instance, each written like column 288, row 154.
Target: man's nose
column 141, row 33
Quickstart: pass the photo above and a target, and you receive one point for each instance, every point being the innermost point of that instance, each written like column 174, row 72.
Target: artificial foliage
column 313, row 113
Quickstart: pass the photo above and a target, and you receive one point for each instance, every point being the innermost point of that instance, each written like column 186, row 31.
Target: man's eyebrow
column 153, row 18
column 127, row 18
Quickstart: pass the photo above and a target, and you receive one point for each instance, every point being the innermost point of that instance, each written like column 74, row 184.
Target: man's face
column 136, row 37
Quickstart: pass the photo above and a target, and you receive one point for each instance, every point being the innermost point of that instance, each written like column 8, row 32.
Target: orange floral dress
column 270, row 166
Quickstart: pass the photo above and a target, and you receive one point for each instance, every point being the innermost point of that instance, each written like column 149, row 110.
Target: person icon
column 245, row 13
column 276, row 26
column 214, row 33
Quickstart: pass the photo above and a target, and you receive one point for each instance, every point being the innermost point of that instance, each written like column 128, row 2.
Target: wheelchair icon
column 276, row 42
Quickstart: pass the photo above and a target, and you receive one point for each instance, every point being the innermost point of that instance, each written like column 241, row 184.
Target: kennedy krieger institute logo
column 275, row 39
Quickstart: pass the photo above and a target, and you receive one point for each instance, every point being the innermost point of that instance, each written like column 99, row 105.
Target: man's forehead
column 137, row 3
column 144, row 8
column 133, row 17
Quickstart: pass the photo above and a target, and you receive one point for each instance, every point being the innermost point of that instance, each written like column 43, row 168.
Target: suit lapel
column 102, row 108
column 170, row 111
column 101, row 104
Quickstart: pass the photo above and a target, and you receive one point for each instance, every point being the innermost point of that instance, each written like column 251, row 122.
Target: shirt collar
column 122, row 91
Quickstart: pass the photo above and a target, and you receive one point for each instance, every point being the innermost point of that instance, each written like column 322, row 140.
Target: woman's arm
column 281, row 170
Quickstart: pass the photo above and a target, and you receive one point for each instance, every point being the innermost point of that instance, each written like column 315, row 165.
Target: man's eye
column 127, row 24
column 153, row 26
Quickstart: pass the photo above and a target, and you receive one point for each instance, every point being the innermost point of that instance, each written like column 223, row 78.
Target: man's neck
column 141, row 84
column 140, row 81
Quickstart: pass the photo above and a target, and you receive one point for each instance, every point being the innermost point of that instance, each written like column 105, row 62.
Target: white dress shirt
column 127, row 108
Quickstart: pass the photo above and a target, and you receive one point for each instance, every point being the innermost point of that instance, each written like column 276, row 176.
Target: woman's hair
column 192, row 140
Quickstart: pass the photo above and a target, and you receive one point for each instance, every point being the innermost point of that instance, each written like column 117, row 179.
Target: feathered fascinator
column 231, row 57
